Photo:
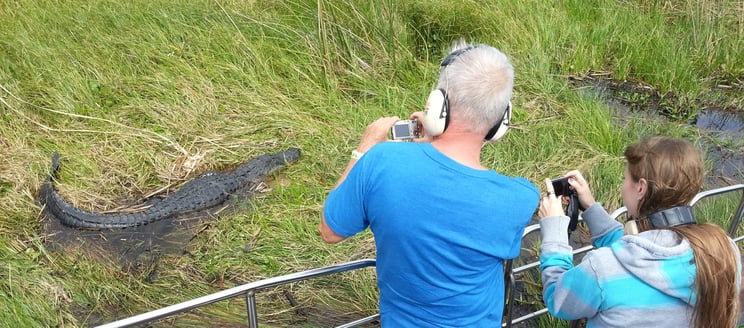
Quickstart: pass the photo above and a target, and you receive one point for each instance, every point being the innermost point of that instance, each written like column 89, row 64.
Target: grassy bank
column 139, row 95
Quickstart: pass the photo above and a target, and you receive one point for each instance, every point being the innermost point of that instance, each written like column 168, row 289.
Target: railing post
column 250, row 302
column 737, row 218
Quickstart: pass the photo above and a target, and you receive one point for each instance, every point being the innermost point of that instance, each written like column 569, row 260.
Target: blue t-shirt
column 442, row 231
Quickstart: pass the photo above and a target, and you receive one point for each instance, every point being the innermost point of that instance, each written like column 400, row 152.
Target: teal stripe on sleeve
column 562, row 260
column 608, row 238
column 575, row 295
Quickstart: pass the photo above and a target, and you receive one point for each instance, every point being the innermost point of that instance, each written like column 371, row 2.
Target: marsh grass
column 140, row 96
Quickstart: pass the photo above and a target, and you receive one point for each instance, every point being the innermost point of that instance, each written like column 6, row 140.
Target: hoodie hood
column 660, row 258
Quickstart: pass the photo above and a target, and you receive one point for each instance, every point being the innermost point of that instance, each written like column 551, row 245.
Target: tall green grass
column 139, row 95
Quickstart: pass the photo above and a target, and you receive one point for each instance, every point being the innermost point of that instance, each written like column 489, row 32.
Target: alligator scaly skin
column 206, row 191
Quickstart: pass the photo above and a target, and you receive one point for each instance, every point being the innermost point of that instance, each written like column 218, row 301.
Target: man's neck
column 462, row 147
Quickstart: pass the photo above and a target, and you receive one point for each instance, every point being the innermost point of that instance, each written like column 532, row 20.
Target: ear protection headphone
column 671, row 217
column 436, row 112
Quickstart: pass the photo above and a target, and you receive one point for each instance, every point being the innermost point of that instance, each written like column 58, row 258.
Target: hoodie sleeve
column 568, row 292
column 573, row 293
column 603, row 228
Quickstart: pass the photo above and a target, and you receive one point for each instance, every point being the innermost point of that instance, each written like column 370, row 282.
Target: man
column 443, row 223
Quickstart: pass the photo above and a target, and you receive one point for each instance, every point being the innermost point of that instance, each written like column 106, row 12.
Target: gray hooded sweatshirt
column 643, row 280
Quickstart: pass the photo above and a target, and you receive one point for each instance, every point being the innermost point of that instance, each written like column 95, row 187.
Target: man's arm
column 375, row 133
column 327, row 233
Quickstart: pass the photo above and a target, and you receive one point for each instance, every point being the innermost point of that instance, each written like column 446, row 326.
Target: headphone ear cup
column 436, row 113
column 499, row 130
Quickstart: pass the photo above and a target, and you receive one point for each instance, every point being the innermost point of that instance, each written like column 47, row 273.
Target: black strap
column 453, row 55
column 671, row 217
column 572, row 211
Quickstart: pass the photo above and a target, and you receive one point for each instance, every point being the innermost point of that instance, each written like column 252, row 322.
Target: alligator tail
column 74, row 217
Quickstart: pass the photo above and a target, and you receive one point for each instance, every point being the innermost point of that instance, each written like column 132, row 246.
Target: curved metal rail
column 249, row 291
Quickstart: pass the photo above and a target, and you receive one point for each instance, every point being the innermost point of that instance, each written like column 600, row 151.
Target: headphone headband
column 453, row 55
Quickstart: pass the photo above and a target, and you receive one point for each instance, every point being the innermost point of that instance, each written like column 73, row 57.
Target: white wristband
column 355, row 154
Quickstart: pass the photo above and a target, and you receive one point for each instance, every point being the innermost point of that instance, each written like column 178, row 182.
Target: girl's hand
column 579, row 184
column 550, row 204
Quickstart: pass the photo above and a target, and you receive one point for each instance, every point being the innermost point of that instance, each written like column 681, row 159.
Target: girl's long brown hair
column 715, row 276
column 674, row 171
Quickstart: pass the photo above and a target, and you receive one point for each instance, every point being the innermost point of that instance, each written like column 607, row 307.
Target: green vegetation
column 130, row 92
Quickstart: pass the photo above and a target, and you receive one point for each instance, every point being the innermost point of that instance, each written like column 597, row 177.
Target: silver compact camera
column 405, row 130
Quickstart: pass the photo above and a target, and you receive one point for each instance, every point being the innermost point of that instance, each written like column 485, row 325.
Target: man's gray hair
column 478, row 80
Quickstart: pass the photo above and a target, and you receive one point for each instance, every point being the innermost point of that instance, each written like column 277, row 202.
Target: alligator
column 207, row 191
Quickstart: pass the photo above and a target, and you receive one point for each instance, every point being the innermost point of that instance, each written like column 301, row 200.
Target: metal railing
column 510, row 276
column 249, row 290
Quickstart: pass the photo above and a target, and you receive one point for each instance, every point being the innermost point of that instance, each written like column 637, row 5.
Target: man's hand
column 376, row 132
column 419, row 116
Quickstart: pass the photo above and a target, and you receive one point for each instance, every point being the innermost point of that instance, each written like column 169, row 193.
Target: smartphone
column 405, row 130
column 561, row 187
